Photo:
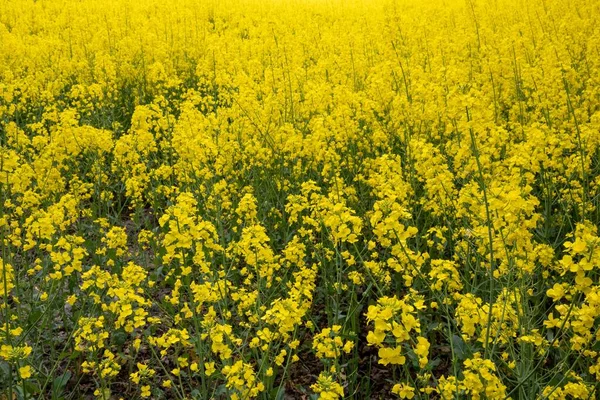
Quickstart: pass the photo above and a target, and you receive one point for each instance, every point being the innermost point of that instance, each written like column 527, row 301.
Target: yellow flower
column 145, row 391
column 25, row 372
column 17, row 331
column 209, row 368
column 422, row 351
column 391, row 356
column 557, row 292
column 404, row 391
column 72, row 299
column 327, row 388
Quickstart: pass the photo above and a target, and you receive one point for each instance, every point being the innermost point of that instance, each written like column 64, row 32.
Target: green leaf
column 61, row 381
column 277, row 394
column 31, row 387
column 460, row 347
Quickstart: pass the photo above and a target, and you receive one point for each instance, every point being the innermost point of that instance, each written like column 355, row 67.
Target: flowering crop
column 299, row 198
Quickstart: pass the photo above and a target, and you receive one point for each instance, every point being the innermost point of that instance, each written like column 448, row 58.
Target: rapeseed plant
column 334, row 199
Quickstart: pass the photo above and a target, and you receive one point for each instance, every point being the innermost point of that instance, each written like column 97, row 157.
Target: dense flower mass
column 299, row 199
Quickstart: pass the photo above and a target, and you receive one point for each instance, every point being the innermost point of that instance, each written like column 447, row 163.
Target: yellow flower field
column 299, row 199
